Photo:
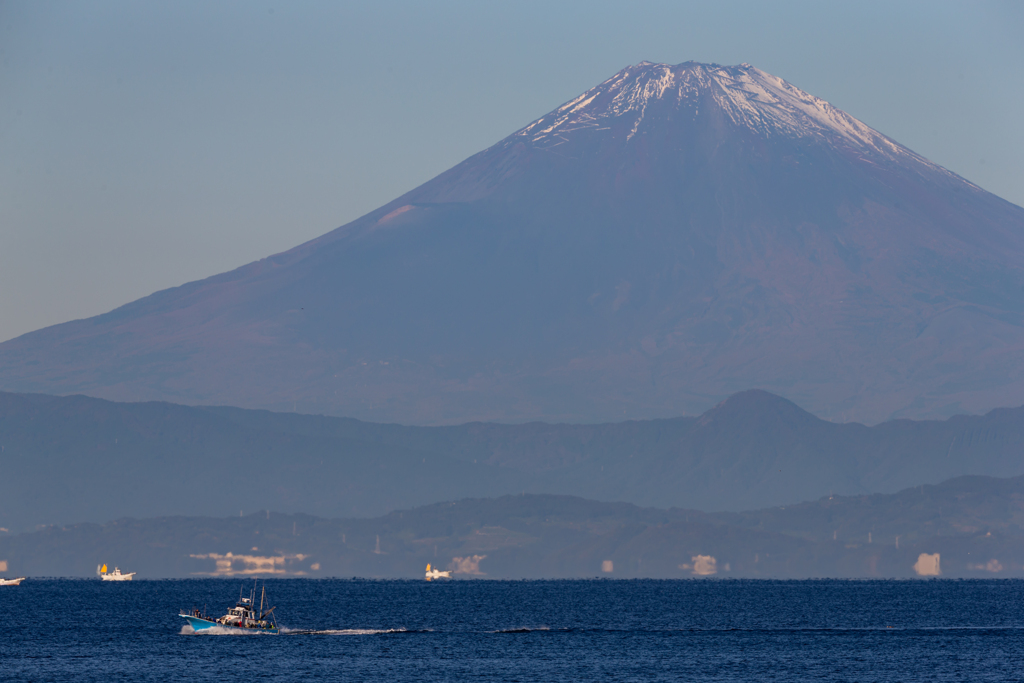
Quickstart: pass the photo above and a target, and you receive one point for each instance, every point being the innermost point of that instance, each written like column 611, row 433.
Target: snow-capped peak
column 747, row 96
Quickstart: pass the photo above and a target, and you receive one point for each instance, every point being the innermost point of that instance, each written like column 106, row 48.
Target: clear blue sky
column 144, row 144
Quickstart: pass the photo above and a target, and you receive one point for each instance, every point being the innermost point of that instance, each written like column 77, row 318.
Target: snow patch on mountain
column 764, row 104
column 767, row 103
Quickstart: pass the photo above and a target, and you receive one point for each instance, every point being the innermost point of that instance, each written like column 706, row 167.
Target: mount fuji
column 672, row 236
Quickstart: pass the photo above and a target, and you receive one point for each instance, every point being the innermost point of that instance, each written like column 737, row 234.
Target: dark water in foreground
column 523, row 631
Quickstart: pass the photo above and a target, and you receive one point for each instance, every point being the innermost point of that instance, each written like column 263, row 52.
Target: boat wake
column 528, row 630
column 342, row 631
column 187, row 630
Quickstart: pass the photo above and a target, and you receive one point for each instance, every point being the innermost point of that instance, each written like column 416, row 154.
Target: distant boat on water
column 437, row 574
column 242, row 616
column 115, row 575
column 11, row 582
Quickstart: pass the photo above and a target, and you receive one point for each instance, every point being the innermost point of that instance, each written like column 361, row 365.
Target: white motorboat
column 115, row 575
column 437, row 574
column 11, row 582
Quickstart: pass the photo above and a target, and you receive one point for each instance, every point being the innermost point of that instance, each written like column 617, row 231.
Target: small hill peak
column 756, row 405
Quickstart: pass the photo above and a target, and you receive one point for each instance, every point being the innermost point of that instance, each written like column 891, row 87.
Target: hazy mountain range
column 668, row 238
column 76, row 459
column 967, row 527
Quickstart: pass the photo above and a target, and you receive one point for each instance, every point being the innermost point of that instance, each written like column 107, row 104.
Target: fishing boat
column 115, row 575
column 243, row 616
column 11, row 582
column 437, row 574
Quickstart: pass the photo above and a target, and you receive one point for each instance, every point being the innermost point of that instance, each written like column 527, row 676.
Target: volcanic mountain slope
column 674, row 235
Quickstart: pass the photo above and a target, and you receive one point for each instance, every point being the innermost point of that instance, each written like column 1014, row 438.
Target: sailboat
column 115, row 575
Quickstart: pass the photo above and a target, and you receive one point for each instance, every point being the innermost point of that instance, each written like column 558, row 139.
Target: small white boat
column 115, row 575
column 437, row 574
column 11, row 582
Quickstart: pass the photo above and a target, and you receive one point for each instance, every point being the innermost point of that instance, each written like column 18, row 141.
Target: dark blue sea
column 600, row 630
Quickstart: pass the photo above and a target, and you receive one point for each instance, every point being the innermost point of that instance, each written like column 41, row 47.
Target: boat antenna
column 263, row 595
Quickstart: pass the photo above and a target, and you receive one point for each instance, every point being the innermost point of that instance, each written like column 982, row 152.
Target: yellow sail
column 103, row 569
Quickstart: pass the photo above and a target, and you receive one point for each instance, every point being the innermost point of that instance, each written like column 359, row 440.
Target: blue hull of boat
column 198, row 624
